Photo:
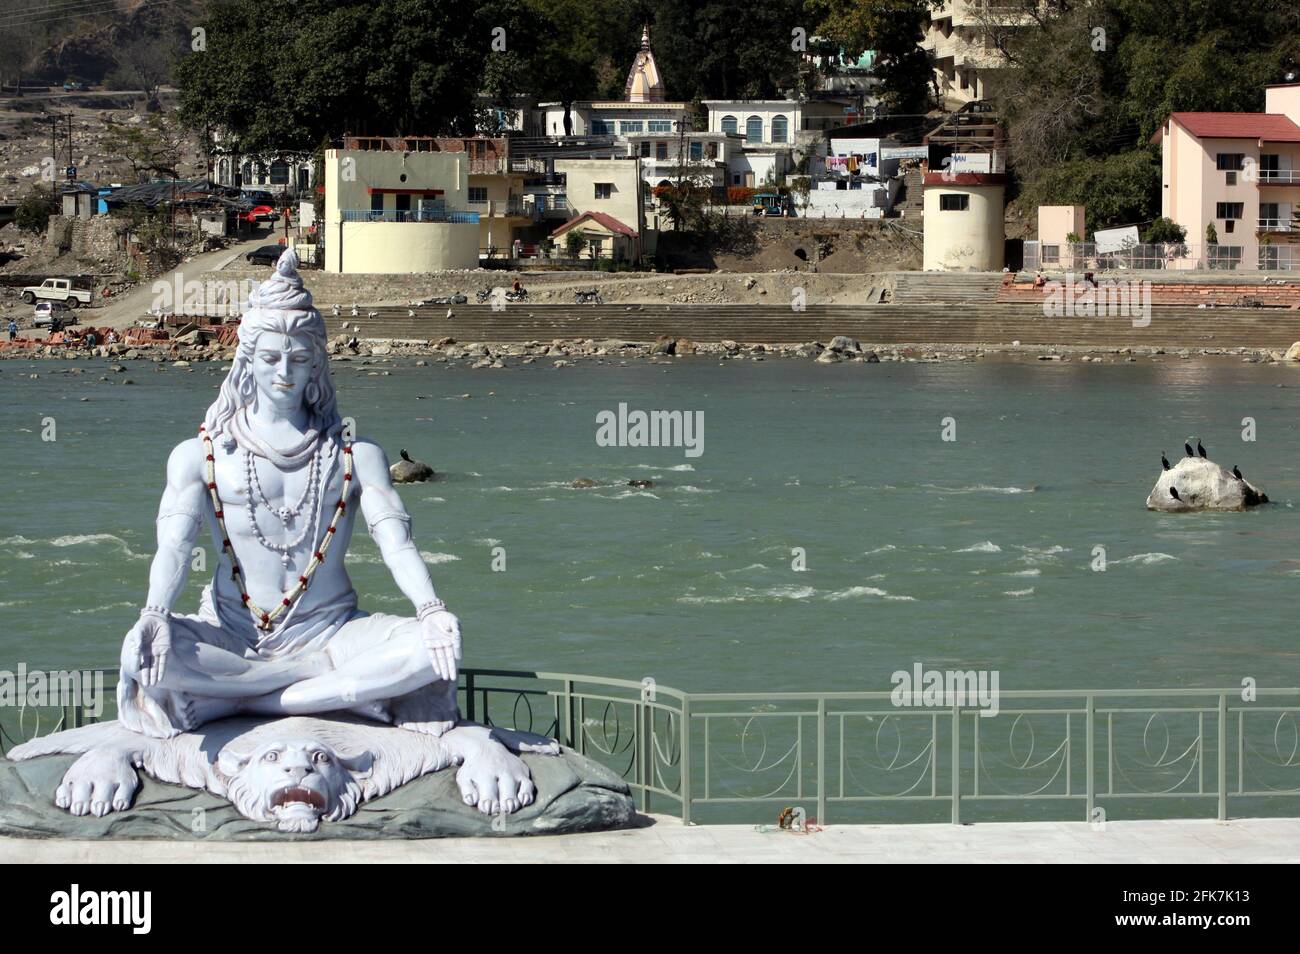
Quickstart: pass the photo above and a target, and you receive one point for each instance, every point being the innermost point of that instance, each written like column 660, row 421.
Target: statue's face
column 282, row 368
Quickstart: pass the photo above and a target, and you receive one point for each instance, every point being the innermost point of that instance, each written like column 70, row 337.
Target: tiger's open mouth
column 297, row 794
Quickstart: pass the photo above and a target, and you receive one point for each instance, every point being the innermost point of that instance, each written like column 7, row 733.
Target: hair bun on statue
column 284, row 290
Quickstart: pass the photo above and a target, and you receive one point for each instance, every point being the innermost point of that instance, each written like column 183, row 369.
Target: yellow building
column 964, row 221
column 612, row 187
column 393, row 211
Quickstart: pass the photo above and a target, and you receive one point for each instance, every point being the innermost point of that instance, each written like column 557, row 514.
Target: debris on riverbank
column 561, row 352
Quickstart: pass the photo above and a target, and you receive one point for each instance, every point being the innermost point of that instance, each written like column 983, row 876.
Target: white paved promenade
column 665, row 839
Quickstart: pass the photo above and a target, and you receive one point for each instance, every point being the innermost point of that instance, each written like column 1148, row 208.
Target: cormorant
column 405, row 455
column 1173, row 492
column 1188, row 447
column 1199, row 449
column 1164, row 461
column 1236, row 473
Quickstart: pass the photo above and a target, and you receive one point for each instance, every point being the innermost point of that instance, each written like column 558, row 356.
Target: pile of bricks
column 1194, row 294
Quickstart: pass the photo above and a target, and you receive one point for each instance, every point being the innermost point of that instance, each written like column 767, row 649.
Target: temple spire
column 644, row 84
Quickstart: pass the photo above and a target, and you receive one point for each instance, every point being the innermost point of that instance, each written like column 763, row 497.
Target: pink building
column 1239, row 172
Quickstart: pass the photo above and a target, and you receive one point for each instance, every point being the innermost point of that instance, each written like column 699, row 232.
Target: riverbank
column 562, row 352
column 663, row 838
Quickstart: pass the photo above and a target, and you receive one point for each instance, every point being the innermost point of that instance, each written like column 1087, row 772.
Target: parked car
column 265, row 255
column 74, row 86
column 259, row 197
column 57, row 289
column 260, row 213
column 46, row 311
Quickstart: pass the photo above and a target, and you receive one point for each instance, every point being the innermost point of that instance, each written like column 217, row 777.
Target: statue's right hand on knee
column 148, row 645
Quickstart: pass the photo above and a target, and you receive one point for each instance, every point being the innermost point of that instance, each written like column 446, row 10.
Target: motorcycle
column 589, row 297
column 487, row 294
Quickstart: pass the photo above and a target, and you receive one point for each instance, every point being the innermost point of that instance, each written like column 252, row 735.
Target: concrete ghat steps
column 940, row 287
column 991, row 324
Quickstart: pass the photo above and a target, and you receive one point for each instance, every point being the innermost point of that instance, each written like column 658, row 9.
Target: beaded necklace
column 265, row 619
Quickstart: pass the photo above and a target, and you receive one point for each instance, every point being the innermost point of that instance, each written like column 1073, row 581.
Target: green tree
column 1116, row 189
column 1164, row 232
column 716, row 50
column 891, row 28
column 34, row 211
column 287, row 76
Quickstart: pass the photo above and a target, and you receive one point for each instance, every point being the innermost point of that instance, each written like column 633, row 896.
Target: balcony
column 500, row 208
column 412, row 215
column 1275, row 225
column 1279, row 177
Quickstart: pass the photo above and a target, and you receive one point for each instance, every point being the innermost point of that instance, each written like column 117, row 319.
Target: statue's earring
column 312, row 393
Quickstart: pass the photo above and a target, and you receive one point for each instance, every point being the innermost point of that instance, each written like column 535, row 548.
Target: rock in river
column 1199, row 484
column 408, row 471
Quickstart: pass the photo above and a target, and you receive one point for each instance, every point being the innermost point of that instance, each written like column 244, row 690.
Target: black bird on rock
column 1236, row 473
column 1199, row 449
column 1164, row 461
column 1173, row 492
column 1188, row 447
column 405, row 455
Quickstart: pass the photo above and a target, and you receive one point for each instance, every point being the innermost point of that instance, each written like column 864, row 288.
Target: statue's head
column 295, row 782
column 281, row 358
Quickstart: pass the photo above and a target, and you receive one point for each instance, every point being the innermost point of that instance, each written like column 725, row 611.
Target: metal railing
column 1278, row 176
column 1084, row 256
column 1275, row 225
column 861, row 756
column 413, row 215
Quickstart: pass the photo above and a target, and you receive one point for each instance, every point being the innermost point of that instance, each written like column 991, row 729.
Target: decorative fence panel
column 866, row 756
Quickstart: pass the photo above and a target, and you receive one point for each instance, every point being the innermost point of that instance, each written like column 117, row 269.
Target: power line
column 74, row 10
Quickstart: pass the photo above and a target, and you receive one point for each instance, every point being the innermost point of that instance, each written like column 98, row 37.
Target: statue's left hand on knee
column 441, row 635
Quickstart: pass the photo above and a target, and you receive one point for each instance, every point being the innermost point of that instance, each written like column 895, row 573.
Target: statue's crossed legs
column 373, row 665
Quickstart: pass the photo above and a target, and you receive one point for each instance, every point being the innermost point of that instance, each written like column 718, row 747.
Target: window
column 754, row 129
column 604, row 190
column 954, row 202
column 631, row 126
column 1268, row 212
column 1230, row 177
column 1228, row 160
column 1269, row 166
column 478, row 194
column 376, row 202
column 659, row 126
column 729, row 124
column 645, row 148
column 602, row 127
column 712, row 150
column 1228, row 210
column 780, row 129
column 1051, row 254
column 1229, row 226
column 697, row 151
column 661, row 150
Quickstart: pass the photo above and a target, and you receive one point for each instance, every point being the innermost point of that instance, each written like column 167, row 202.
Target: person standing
column 13, row 329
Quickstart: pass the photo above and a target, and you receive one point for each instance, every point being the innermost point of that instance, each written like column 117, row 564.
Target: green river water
column 971, row 554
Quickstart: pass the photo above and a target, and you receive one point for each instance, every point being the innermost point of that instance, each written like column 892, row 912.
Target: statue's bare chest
column 279, row 496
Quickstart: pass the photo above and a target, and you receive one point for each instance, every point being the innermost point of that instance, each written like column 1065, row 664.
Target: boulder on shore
column 1202, row 485
column 581, row 483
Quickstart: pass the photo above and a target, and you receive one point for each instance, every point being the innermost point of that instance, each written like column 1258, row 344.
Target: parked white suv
column 57, row 289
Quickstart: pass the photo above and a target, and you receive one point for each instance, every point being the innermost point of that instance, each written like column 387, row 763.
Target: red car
column 260, row 213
